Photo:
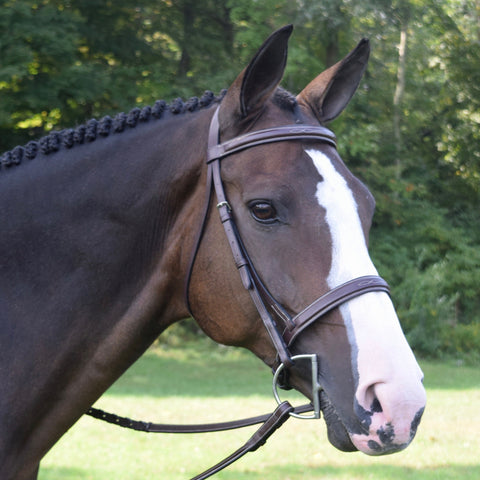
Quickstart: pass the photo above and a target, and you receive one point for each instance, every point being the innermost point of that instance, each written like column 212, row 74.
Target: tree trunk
column 332, row 50
column 188, row 19
column 398, row 97
column 226, row 26
column 476, row 14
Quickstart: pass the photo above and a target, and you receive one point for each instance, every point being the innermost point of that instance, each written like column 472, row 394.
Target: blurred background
column 411, row 133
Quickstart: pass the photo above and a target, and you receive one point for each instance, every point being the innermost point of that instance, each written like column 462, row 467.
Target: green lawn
column 210, row 383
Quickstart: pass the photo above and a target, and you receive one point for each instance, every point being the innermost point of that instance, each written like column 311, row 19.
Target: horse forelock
column 284, row 99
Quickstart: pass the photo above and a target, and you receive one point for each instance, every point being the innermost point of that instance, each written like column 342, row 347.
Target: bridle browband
column 268, row 308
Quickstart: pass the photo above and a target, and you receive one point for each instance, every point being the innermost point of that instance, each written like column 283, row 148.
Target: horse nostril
column 367, row 404
column 370, row 401
column 376, row 407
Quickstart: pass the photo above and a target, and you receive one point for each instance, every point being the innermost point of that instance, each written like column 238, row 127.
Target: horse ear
column 252, row 88
column 331, row 91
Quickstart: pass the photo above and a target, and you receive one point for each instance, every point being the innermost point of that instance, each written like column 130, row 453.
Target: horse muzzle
column 384, row 429
column 390, row 433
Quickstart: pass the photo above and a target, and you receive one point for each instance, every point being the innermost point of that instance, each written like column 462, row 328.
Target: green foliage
column 63, row 62
column 434, row 267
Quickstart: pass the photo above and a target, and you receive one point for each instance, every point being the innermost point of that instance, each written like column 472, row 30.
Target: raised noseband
column 331, row 300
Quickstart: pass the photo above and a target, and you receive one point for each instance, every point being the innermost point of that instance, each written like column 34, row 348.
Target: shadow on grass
column 62, row 473
column 372, row 472
column 297, row 472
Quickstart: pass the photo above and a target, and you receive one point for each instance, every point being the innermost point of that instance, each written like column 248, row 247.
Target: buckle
column 316, row 387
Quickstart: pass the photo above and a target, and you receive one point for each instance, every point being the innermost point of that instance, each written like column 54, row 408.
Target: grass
column 207, row 383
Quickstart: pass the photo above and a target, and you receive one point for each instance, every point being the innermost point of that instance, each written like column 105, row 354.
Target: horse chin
column 336, row 431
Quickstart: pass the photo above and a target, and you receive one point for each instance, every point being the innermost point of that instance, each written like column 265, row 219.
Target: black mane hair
column 91, row 130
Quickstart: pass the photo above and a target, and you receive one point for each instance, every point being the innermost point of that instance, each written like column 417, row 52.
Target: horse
column 109, row 236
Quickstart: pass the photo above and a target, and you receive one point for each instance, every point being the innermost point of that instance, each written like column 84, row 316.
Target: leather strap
column 331, row 300
column 261, row 137
column 245, row 268
column 270, row 423
column 273, row 423
column 149, row 427
column 198, row 239
column 283, row 133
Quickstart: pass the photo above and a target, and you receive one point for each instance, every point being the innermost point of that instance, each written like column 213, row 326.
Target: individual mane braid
column 89, row 132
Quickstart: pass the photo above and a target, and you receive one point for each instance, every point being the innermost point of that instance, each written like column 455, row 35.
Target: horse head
column 302, row 220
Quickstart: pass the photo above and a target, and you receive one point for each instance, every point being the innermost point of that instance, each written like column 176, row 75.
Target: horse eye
column 263, row 212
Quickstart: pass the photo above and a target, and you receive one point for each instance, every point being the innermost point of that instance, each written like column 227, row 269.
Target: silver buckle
column 316, row 387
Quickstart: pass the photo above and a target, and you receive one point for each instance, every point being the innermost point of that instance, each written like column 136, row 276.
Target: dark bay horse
column 101, row 252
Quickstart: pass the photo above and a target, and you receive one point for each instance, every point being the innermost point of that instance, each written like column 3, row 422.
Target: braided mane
column 90, row 131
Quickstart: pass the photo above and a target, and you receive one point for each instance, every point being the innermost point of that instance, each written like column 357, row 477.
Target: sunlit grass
column 207, row 383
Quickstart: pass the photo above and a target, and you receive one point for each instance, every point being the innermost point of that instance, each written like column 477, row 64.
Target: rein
column 271, row 312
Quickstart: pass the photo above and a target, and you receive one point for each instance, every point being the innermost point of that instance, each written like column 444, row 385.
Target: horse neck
column 97, row 241
column 107, row 209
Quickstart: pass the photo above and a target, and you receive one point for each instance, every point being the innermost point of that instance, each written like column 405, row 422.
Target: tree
column 411, row 132
column 36, row 69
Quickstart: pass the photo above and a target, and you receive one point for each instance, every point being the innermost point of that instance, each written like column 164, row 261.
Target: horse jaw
column 336, row 431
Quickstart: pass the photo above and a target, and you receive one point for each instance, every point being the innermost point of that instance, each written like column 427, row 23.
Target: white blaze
column 383, row 356
column 350, row 257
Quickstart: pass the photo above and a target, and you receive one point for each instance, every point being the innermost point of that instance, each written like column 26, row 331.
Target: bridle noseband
column 271, row 312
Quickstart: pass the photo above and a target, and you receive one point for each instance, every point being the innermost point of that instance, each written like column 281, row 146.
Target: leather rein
column 270, row 311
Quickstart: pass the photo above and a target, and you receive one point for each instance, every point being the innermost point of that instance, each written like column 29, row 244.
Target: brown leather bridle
column 271, row 312
column 268, row 308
